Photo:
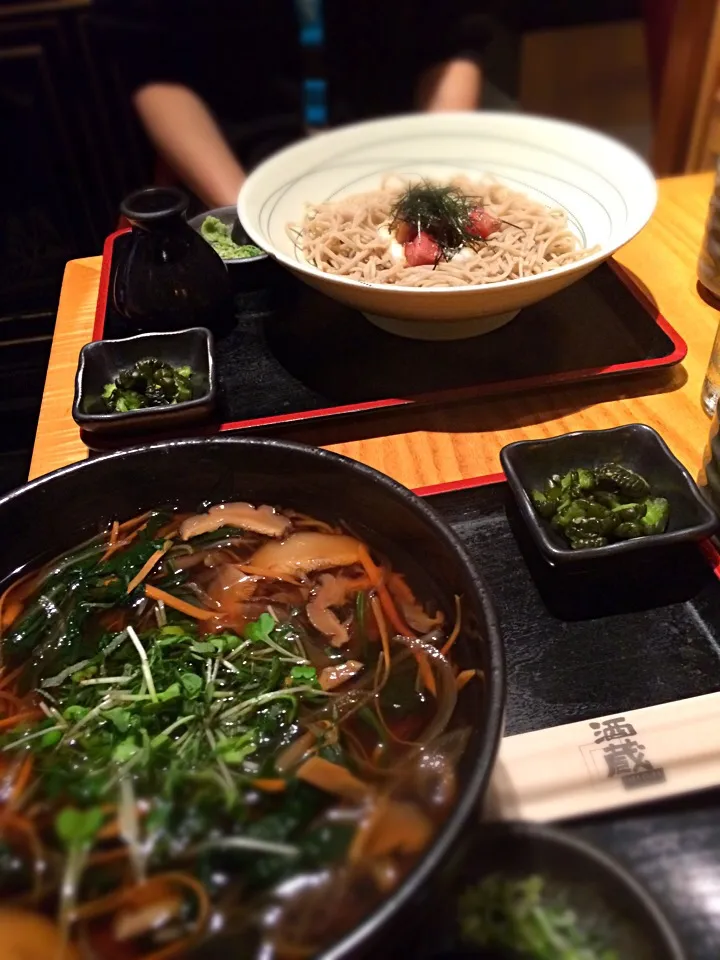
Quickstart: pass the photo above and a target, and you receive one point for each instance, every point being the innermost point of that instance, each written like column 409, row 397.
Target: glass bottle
column 708, row 272
column 711, row 384
column 170, row 278
column 709, row 477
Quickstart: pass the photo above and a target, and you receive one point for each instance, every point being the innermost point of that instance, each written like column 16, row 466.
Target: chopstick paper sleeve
column 610, row 762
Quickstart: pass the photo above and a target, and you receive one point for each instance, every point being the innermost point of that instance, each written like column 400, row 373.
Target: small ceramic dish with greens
column 534, row 892
column 604, row 493
column 150, row 382
column 248, row 266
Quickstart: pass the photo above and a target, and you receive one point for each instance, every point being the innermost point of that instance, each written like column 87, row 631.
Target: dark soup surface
column 239, row 720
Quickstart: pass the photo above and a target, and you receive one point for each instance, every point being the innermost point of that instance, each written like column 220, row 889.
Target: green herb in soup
column 591, row 508
column 210, row 720
column 149, row 383
column 218, row 236
column 521, row 916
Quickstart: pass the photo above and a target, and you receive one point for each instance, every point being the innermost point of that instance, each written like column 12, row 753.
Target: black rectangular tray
column 579, row 648
column 297, row 355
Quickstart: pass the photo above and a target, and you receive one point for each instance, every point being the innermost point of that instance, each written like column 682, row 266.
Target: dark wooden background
column 69, row 149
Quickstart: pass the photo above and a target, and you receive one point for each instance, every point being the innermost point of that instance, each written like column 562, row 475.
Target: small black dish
column 600, row 890
column 102, row 360
column 245, row 273
column 529, row 463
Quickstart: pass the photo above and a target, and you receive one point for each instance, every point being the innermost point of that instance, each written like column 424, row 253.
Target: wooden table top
column 440, row 444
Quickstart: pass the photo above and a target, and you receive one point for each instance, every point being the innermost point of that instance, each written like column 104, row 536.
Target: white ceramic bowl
column 607, row 190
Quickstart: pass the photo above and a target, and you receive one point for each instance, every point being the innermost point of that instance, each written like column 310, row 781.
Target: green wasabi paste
column 217, row 235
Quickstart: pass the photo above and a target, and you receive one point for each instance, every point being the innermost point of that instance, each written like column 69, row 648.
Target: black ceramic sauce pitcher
column 171, row 278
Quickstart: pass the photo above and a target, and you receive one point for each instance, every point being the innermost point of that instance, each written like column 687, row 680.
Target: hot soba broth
column 240, row 720
column 437, row 235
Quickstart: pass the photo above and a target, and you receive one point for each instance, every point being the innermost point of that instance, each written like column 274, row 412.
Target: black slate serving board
column 295, row 354
column 579, row 648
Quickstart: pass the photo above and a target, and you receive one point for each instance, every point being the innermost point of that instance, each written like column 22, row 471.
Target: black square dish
column 529, row 463
column 102, row 360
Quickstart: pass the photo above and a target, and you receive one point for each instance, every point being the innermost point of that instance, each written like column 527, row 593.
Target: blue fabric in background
column 312, row 35
column 312, row 27
column 315, row 105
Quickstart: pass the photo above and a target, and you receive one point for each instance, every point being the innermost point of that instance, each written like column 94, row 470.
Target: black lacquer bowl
column 603, row 895
column 58, row 511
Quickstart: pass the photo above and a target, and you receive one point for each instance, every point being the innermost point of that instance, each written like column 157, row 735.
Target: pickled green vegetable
column 588, row 541
column 591, row 508
column 149, row 383
column 629, row 530
column 630, row 511
column 657, row 514
column 613, row 476
column 545, row 506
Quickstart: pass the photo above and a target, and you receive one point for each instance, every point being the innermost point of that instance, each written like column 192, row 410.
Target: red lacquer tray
column 296, row 355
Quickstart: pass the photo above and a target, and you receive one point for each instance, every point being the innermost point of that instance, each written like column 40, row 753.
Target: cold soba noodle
column 237, row 721
column 434, row 235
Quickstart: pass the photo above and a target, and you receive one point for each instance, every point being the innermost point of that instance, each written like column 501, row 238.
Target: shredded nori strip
column 443, row 212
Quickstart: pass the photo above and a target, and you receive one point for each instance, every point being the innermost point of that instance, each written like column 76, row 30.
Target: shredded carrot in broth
column 134, row 522
column 464, row 677
column 182, row 606
column 10, row 614
column 102, row 857
column 147, row 566
column 447, row 646
column 425, row 670
column 21, row 782
column 375, row 576
column 114, row 619
column 396, row 826
column 270, row 784
column 382, row 629
column 121, row 544
column 359, row 842
column 21, row 717
column 23, row 586
column 332, row 778
column 158, row 887
column 15, row 704
column 8, row 679
column 112, row 542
